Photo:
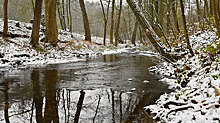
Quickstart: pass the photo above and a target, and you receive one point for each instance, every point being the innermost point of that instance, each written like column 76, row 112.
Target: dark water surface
column 107, row 89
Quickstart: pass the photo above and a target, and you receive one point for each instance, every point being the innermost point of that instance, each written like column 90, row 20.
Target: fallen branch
column 166, row 105
column 179, row 109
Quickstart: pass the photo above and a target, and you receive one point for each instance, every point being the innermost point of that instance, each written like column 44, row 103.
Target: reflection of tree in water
column 100, row 105
column 37, row 97
column 6, row 101
column 51, row 106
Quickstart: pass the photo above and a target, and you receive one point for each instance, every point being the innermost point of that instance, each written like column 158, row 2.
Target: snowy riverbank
column 16, row 52
column 196, row 88
column 195, row 81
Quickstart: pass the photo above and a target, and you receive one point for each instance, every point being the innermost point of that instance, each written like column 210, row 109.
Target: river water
column 105, row 89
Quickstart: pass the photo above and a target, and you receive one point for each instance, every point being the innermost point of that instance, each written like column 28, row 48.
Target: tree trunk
column 133, row 38
column 51, row 23
column 67, row 15
column 118, row 25
column 70, row 17
column 36, row 24
column 59, row 11
column 161, row 13
column 105, row 20
column 216, row 17
column 174, row 11
column 32, row 3
column 198, row 10
column 210, row 7
column 112, row 22
column 85, row 20
column 63, row 15
column 5, row 7
column 185, row 28
column 152, row 36
column 206, row 9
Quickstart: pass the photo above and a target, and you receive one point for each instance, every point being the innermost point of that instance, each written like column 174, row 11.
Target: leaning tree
column 152, row 36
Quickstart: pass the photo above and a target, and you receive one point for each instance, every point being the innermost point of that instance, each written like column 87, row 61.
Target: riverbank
column 195, row 81
column 196, row 86
column 16, row 51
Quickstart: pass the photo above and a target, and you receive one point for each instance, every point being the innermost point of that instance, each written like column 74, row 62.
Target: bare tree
column 70, row 18
column 105, row 19
column 216, row 16
column 185, row 28
column 152, row 36
column 85, row 20
column 36, row 24
column 174, row 12
column 134, row 34
column 51, row 23
column 63, row 15
column 5, row 7
column 112, row 22
column 198, row 10
column 118, row 25
column 60, row 15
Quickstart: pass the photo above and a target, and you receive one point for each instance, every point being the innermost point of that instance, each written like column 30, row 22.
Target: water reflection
column 51, row 104
column 94, row 91
column 79, row 106
column 37, row 97
column 6, row 101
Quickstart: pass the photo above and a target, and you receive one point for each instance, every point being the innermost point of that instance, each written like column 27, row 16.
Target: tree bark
column 59, row 11
column 67, row 15
column 105, row 20
column 161, row 13
column 51, row 23
column 85, row 20
column 216, row 17
column 206, row 9
column 133, row 38
column 198, row 10
column 185, row 28
column 210, row 7
column 152, row 36
column 70, row 17
column 59, row 14
column 63, row 15
column 174, row 11
column 32, row 3
column 118, row 25
column 112, row 22
column 36, row 24
column 5, row 7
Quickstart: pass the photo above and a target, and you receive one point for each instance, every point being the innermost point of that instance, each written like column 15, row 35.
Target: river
column 105, row 89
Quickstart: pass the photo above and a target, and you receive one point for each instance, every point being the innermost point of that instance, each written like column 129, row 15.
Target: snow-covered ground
column 196, row 84
column 195, row 80
column 16, row 52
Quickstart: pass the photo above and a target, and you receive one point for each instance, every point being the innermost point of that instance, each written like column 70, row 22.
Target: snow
column 200, row 95
column 18, row 53
column 195, row 81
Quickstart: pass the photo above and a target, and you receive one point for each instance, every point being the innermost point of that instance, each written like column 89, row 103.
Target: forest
column 102, row 61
